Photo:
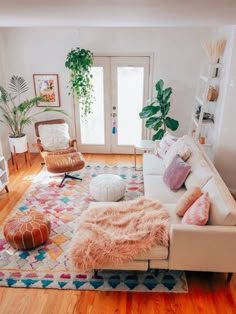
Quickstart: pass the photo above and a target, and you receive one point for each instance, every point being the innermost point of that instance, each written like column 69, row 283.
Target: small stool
column 26, row 230
column 107, row 188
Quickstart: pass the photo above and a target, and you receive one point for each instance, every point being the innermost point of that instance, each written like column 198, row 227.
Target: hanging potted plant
column 156, row 112
column 79, row 62
column 16, row 113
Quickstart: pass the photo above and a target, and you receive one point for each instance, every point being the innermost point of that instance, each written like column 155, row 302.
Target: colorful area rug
column 48, row 266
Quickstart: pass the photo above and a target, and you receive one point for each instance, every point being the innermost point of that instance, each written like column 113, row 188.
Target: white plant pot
column 20, row 144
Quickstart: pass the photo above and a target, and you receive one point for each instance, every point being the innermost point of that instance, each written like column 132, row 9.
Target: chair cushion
column 64, row 163
column 54, row 136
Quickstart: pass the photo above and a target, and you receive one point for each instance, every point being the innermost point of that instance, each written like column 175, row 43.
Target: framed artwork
column 47, row 85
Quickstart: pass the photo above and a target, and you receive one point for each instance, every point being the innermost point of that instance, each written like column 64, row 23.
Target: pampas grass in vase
column 215, row 50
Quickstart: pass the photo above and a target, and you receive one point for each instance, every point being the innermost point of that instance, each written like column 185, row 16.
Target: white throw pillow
column 178, row 148
column 162, row 146
column 54, row 136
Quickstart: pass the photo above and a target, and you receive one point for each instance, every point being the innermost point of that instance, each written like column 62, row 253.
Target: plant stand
column 14, row 156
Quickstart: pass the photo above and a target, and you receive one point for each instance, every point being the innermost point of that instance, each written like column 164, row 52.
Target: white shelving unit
column 200, row 126
column 3, row 173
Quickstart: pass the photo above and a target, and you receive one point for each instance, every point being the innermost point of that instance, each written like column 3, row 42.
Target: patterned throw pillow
column 187, row 200
column 176, row 173
column 162, row 146
column 198, row 213
column 178, row 148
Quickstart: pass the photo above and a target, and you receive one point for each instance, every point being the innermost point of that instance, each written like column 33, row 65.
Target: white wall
column 225, row 152
column 3, row 130
column 177, row 54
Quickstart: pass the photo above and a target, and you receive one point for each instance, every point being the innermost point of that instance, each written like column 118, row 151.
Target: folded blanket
column 111, row 235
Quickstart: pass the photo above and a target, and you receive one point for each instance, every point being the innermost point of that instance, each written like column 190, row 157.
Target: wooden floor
column 209, row 293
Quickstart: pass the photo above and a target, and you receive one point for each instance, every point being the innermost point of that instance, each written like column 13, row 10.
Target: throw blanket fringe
column 117, row 232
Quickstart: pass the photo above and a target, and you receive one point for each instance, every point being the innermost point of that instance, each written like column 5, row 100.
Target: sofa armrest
column 202, row 248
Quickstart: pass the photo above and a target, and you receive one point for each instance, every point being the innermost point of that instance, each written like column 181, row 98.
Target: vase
column 19, row 143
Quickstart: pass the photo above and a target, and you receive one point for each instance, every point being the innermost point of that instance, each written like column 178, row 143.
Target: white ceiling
column 117, row 12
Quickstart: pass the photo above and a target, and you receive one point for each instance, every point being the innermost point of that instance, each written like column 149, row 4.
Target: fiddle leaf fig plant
column 79, row 62
column 156, row 112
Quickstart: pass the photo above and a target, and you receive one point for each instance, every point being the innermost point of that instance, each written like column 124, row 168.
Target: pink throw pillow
column 187, row 200
column 198, row 213
column 164, row 144
column 176, row 173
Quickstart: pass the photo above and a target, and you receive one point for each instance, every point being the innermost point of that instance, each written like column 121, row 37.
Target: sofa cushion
column 162, row 146
column 178, row 148
column 176, row 173
column 187, row 200
column 155, row 188
column 152, row 164
column 200, row 170
column 223, row 206
column 198, row 213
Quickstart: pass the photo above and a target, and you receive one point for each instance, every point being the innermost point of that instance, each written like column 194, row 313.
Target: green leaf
column 159, row 86
column 157, row 125
column 171, row 123
column 166, row 94
column 152, row 122
column 159, row 135
column 166, row 109
column 149, row 111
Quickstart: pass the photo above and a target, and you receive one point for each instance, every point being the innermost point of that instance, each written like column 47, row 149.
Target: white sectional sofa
column 211, row 247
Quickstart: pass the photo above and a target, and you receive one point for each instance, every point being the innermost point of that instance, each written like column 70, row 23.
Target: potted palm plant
column 16, row 113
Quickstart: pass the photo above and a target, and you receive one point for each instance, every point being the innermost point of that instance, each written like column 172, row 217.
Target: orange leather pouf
column 26, row 230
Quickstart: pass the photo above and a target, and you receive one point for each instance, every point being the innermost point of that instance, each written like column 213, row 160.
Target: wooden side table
column 144, row 146
column 14, row 155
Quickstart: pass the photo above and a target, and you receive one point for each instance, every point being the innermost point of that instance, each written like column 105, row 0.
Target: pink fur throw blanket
column 116, row 233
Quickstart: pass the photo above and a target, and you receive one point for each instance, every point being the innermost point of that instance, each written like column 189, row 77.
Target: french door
column 120, row 91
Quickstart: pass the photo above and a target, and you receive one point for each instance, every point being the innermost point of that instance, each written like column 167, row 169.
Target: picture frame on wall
column 47, row 85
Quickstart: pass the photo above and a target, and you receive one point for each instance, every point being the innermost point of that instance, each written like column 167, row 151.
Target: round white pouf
column 107, row 188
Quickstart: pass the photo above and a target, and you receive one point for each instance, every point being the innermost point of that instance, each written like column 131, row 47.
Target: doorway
column 120, row 91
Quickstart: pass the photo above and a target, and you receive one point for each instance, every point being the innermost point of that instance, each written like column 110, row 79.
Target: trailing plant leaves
column 79, row 62
column 151, row 122
column 171, row 123
column 149, row 111
column 159, row 86
column 18, row 85
column 159, row 135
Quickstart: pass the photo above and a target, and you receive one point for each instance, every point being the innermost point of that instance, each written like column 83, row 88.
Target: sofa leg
column 95, row 272
column 230, row 275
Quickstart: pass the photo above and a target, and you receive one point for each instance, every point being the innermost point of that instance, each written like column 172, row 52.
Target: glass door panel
column 130, row 81
column 130, row 78
column 92, row 127
column 120, row 90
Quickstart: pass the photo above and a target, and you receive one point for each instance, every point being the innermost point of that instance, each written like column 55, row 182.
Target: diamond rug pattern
column 48, row 266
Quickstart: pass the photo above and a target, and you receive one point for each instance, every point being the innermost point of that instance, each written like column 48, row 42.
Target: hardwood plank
column 208, row 292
